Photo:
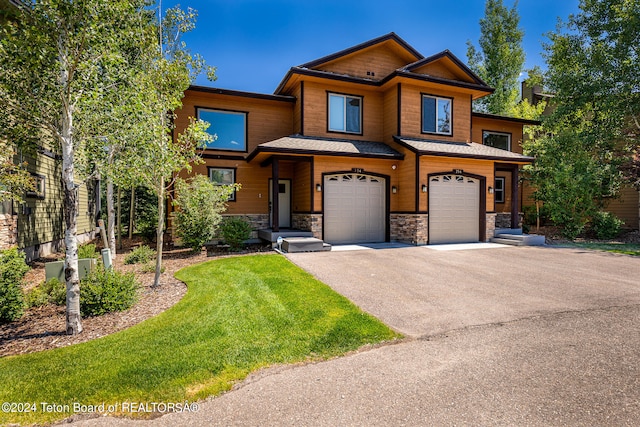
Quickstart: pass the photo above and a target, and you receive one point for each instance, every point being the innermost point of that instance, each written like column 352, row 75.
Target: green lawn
column 620, row 248
column 239, row 314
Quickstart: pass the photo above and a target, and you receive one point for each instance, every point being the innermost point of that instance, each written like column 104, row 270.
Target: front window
column 223, row 176
column 345, row 113
column 497, row 140
column 229, row 129
column 498, row 192
column 436, row 115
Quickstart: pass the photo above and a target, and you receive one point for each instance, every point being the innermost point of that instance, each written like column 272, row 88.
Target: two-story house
column 373, row 143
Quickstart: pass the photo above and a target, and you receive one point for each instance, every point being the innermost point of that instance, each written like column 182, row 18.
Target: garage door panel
column 354, row 208
column 454, row 203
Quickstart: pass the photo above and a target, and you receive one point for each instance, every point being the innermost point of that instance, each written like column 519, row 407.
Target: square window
column 498, row 192
column 436, row 115
column 497, row 140
column 223, row 176
column 229, row 128
column 345, row 113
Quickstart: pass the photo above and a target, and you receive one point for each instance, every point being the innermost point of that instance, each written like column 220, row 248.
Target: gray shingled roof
column 460, row 149
column 329, row 146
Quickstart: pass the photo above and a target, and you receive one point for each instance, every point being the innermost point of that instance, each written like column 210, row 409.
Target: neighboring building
column 373, row 143
column 37, row 225
column 626, row 206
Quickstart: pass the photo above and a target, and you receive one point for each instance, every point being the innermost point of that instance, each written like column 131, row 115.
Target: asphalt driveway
column 420, row 291
column 501, row 337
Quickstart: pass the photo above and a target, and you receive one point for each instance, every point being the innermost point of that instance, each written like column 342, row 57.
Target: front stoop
column 304, row 244
column 515, row 237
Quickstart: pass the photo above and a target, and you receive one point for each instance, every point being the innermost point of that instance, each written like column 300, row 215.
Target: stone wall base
column 8, row 230
column 503, row 219
column 308, row 222
column 409, row 228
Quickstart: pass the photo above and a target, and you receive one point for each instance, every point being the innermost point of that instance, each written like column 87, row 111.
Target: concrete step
column 519, row 239
column 512, row 231
column 303, row 244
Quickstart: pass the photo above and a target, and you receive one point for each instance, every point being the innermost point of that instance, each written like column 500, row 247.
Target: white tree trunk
column 111, row 219
column 159, row 232
column 73, row 319
column 132, row 209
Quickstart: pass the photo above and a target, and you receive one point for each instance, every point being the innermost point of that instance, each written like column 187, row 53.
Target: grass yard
column 239, row 314
column 620, row 248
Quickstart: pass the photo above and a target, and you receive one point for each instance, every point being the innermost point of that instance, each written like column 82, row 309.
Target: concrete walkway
column 503, row 336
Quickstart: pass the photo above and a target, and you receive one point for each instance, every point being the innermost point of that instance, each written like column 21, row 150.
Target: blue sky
column 253, row 43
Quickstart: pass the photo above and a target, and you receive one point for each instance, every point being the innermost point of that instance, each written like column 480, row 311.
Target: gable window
column 345, row 113
column 436, row 115
column 229, row 129
column 223, row 176
column 498, row 191
column 497, row 139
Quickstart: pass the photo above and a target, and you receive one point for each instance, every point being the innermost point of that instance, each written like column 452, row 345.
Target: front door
column 284, row 203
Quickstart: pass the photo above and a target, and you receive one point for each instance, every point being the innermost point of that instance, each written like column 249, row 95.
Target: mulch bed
column 43, row 328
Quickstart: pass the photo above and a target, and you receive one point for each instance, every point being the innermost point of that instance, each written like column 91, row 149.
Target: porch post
column 275, row 191
column 514, row 198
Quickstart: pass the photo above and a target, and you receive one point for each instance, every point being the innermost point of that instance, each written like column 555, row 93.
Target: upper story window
column 345, row 113
column 229, row 127
column 436, row 115
column 497, row 139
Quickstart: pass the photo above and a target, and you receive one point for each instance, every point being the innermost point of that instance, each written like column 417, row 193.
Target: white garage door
column 354, row 208
column 454, row 203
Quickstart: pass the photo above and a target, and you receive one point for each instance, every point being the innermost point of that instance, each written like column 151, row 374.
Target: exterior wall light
column 490, row 190
column 318, row 188
column 394, row 189
column 424, row 188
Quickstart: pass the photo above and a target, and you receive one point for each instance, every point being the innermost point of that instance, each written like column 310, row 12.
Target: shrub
column 12, row 271
column 104, row 291
column 235, row 231
column 606, row 225
column 200, row 204
column 150, row 267
column 140, row 255
column 88, row 251
column 52, row 291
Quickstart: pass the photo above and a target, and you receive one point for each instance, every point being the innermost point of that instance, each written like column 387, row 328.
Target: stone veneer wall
column 503, row 220
column 491, row 225
column 8, row 230
column 308, row 222
column 410, row 228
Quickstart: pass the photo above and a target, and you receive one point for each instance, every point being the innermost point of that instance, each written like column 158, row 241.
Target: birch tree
column 56, row 57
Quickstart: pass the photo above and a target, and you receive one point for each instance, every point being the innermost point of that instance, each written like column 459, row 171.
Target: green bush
column 235, row 231
column 150, row 267
column 606, row 225
column 36, row 297
column 140, row 255
column 12, row 271
column 200, row 204
column 52, row 291
column 105, row 291
column 88, row 251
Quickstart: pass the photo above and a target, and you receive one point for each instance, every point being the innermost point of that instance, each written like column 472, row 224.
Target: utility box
column 56, row 269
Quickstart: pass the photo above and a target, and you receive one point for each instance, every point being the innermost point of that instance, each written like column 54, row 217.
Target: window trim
column 436, row 97
column 501, row 191
column 495, row 132
column 40, row 191
column 245, row 149
column 345, row 96
column 232, row 197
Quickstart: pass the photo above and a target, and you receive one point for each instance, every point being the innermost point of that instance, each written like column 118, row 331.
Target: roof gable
column 374, row 59
column 445, row 65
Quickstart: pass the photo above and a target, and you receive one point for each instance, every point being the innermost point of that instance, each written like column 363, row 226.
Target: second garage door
column 454, row 203
column 354, row 208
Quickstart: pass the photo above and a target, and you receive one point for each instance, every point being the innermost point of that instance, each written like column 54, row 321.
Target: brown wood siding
column 315, row 111
column 480, row 124
column 412, row 113
column 297, row 111
column 267, row 119
column 431, row 164
column 390, row 111
column 437, row 69
column 381, row 60
column 626, row 207
column 301, row 197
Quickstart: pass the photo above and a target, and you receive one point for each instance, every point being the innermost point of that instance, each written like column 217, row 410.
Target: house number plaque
column 458, row 171
column 357, row 170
